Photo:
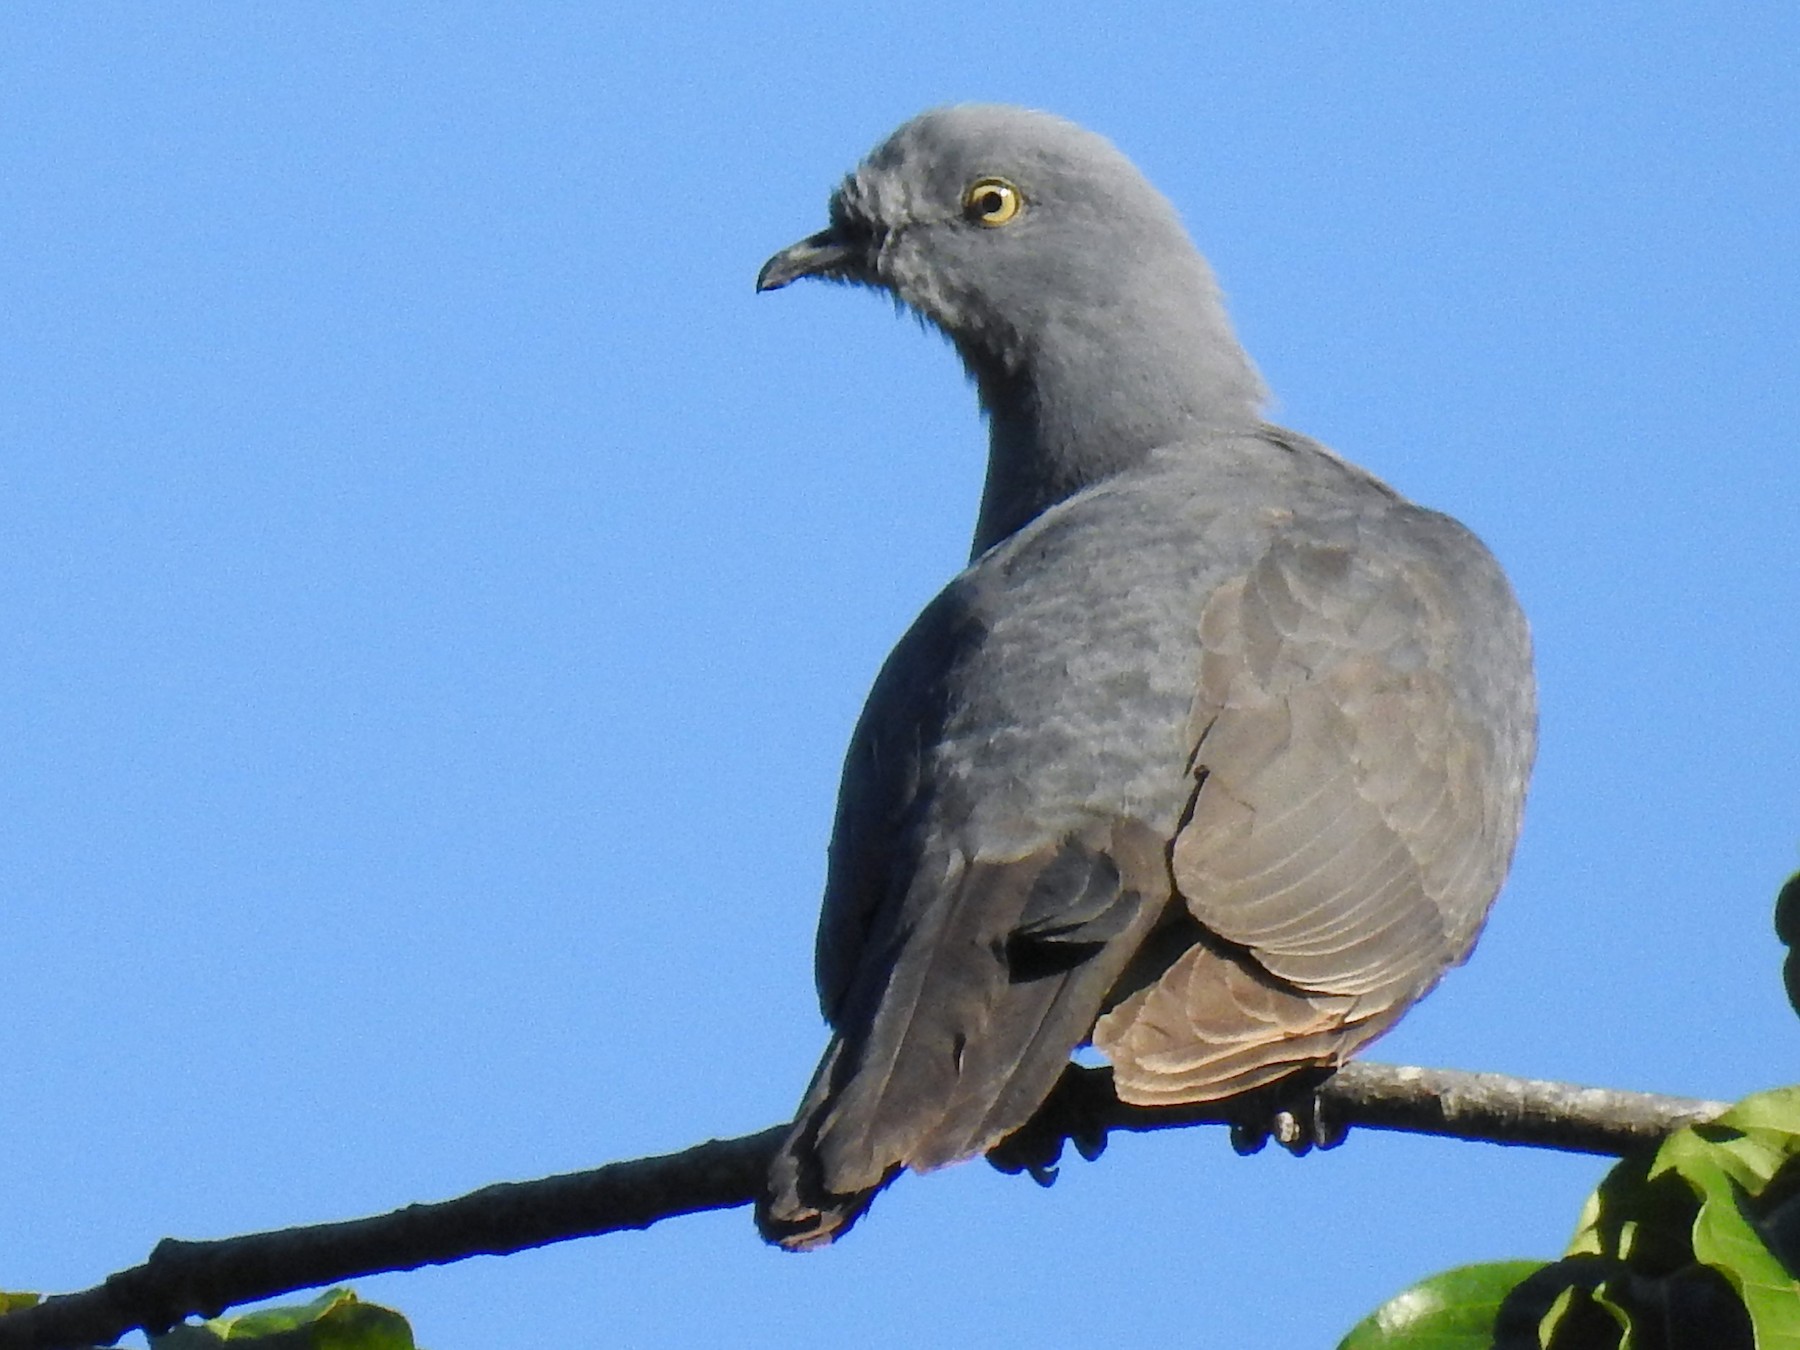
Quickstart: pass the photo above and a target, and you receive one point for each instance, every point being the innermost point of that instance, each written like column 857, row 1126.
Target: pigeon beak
column 825, row 254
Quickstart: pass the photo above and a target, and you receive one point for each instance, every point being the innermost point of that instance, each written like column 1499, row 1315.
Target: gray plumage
column 1214, row 755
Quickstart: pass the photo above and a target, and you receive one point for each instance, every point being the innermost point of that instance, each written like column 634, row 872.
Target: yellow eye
column 992, row 202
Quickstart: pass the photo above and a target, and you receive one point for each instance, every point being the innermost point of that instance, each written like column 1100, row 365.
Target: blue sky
column 437, row 593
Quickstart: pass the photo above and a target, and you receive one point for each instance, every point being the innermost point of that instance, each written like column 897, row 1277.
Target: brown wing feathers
column 1333, row 842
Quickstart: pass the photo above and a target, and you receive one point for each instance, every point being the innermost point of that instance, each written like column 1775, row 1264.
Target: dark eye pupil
column 992, row 203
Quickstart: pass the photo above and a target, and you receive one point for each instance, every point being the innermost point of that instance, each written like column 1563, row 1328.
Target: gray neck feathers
column 1079, row 390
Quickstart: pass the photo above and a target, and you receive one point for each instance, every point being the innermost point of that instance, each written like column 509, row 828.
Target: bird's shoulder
column 1097, row 609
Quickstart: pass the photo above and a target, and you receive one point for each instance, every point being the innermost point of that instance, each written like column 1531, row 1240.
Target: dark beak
column 825, row 254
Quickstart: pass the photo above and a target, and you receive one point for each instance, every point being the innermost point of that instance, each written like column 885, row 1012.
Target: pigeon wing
column 1361, row 739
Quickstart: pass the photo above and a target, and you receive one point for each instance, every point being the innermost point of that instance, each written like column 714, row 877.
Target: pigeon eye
column 992, row 202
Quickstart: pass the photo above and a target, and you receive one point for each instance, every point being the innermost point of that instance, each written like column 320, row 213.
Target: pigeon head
column 998, row 224
column 1090, row 323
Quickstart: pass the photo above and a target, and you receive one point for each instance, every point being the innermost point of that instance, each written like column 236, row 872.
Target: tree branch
column 184, row 1278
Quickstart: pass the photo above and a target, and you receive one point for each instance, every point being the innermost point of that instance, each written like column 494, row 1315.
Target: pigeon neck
column 1058, row 423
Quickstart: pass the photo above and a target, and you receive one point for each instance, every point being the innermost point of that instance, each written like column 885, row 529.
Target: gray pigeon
column 1213, row 757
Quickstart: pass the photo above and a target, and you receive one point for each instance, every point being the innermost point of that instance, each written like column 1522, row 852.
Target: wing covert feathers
column 1345, row 837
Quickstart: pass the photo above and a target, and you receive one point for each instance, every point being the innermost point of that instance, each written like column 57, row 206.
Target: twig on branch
column 186, row 1278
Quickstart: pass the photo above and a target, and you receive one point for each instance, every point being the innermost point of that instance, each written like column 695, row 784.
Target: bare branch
column 186, row 1278
column 1488, row 1107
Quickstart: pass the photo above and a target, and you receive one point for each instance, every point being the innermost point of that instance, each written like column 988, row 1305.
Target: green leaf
column 1697, row 1244
column 1583, row 1318
column 1787, row 928
column 1698, row 1232
column 1728, row 1174
column 1454, row 1310
column 1787, row 912
column 336, row 1320
column 1775, row 1113
column 13, row 1302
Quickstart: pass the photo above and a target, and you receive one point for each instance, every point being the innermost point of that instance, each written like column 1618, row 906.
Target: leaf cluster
column 1695, row 1246
column 335, row 1320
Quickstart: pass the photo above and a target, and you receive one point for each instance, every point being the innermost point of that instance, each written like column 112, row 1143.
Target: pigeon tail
column 970, row 1031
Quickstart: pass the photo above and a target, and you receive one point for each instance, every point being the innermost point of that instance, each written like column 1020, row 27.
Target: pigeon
column 1214, row 756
